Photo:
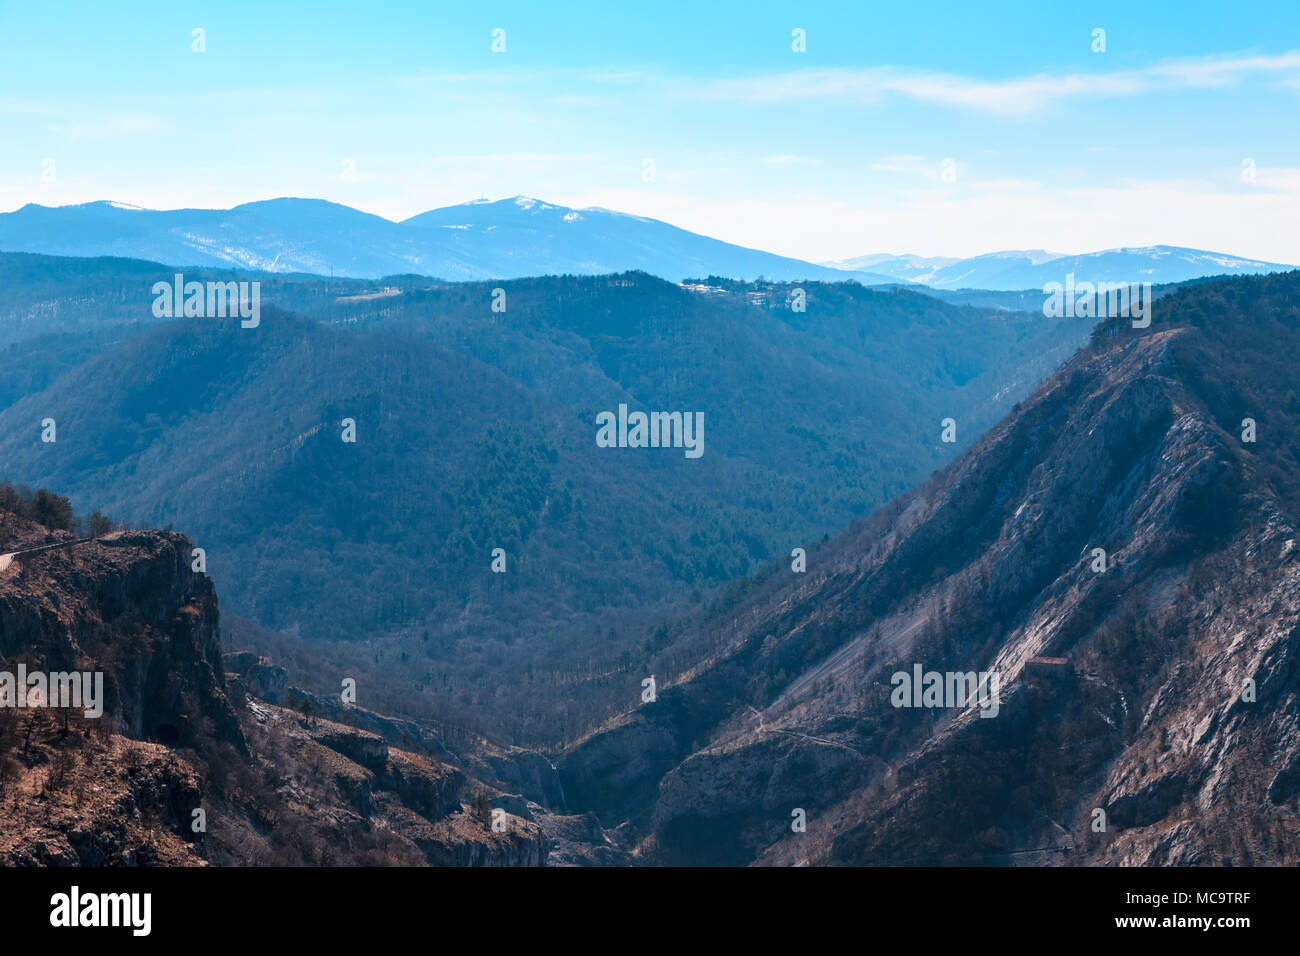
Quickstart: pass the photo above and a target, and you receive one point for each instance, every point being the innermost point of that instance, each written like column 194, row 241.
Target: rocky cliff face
column 1118, row 523
column 127, row 604
column 190, row 765
column 111, row 789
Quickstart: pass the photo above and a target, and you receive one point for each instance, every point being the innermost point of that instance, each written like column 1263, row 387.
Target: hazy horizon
column 1047, row 255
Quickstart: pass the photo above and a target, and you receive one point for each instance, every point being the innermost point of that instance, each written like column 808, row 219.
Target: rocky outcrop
column 461, row 840
column 401, row 732
column 431, row 790
column 259, row 675
column 109, row 802
column 519, row 770
column 129, row 605
column 580, row 840
column 187, row 768
column 364, row 748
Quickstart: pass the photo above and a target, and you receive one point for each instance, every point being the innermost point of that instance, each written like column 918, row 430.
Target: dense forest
column 475, row 432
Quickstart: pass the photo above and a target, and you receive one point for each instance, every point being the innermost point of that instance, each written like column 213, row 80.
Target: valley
column 1129, row 690
column 475, row 432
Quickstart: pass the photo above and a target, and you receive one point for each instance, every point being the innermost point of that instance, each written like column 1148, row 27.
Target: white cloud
column 1010, row 97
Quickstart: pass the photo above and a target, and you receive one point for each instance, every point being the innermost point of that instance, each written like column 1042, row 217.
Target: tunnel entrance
column 167, row 735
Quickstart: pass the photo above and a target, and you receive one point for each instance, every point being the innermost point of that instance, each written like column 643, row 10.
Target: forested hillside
column 475, row 430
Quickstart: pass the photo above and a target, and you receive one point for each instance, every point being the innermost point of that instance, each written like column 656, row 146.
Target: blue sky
column 839, row 151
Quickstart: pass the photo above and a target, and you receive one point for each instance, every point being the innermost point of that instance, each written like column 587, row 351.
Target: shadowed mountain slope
column 1171, row 698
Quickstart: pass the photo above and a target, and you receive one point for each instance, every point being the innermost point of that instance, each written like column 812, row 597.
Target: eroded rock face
column 728, row 805
column 185, row 768
column 128, row 605
column 1133, row 447
column 260, row 675
column 460, row 840
column 521, row 771
column 360, row 746
column 408, row 734
column 344, row 795
column 101, row 790
column 119, row 803
column 431, row 790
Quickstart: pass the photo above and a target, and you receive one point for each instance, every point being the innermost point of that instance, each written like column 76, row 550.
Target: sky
column 937, row 129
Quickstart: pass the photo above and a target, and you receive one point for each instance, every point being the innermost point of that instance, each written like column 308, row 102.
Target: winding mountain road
column 7, row 559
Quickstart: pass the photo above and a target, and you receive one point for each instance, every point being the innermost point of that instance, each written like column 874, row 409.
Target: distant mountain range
column 1031, row 269
column 522, row 237
column 505, row 239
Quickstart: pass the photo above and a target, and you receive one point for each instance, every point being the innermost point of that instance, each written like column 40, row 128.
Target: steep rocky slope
column 1148, row 709
column 190, row 765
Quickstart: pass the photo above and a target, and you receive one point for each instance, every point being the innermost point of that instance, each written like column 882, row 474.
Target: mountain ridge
column 477, row 240
column 1123, row 690
column 1015, row 269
